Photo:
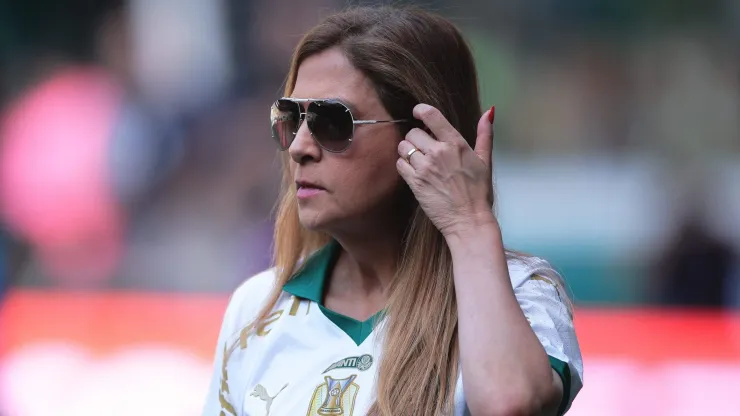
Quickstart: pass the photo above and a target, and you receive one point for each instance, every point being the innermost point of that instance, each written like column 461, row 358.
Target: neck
column 366, row 266
column 360, row 280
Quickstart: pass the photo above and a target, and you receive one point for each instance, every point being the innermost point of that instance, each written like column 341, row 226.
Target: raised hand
column 451, row 181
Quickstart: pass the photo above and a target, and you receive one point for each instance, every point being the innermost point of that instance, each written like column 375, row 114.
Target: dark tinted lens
column 331, row 124
column 284, row 118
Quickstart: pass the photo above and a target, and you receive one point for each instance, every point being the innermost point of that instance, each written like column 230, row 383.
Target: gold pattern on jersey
column 334, row 397
column 260, row 330
column 557, row 287
column 223, row 391
column 294, row 305
column 244, row 335
column 297, row 303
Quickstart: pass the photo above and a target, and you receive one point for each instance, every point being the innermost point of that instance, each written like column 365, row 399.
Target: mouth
column 305, row 189
column 309, row 186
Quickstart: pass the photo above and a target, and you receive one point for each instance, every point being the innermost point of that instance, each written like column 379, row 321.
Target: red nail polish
column 492, row 114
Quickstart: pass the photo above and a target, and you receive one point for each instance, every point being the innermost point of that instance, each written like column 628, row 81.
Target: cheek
column 368, row 181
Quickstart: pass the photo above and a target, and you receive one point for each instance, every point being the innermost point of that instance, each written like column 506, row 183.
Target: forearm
column 502, row 360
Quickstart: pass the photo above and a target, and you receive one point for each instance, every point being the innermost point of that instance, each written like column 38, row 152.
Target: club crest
column 334, row 397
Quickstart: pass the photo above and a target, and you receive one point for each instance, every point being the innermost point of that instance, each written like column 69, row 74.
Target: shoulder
column 543, row 298
column 524, row 268
column 248, row 298
column 255, row 287
column 538, row 286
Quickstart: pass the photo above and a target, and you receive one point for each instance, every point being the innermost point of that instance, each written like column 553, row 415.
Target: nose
column 304, row 148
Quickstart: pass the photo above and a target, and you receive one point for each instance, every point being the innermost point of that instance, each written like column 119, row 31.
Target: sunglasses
column 330, row 122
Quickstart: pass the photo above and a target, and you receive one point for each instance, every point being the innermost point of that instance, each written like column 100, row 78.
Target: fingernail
column 492, row 114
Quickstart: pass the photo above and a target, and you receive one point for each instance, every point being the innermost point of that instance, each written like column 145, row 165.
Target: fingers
column 437, row 123
column 404, row 148
column 405, row 170
column 484, row 138
column 421, row 140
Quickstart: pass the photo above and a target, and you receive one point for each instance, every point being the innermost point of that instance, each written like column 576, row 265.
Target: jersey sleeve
column 542, row 296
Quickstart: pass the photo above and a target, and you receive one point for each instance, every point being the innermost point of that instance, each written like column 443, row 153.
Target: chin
column 323, row 221
column 313, row 221
column 312, row 226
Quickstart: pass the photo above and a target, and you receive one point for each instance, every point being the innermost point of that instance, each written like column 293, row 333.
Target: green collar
column 309, row 281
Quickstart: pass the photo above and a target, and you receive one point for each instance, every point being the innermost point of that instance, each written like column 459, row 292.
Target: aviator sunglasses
column 330, row 122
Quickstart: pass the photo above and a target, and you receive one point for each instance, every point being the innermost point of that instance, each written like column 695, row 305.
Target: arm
column 506, row 371
column 506, row 362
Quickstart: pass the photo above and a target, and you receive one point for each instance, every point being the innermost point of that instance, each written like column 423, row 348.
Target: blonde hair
column 410, row 56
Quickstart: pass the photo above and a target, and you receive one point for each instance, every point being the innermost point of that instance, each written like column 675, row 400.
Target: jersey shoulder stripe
column 522, row 269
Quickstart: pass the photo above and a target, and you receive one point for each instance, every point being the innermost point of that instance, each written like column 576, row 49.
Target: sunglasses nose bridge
column 301, row 119
column 301, row 123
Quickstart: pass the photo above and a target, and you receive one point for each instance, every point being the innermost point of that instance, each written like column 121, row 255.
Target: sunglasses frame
column 318, row 102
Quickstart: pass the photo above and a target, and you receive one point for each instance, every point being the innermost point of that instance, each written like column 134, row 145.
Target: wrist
column 482, row 224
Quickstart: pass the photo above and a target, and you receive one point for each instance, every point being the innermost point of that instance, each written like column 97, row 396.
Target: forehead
column 329, row 74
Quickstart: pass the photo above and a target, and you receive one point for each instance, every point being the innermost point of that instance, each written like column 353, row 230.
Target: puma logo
column 261, row 393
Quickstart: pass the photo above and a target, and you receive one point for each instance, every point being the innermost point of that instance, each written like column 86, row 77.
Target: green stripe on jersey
column 563, row 371
column 308, row 283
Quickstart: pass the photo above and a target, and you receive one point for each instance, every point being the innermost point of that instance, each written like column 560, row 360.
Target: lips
column 306, row 190
column 301, row 184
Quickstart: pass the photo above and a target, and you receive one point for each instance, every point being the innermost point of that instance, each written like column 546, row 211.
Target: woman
column 392, row 293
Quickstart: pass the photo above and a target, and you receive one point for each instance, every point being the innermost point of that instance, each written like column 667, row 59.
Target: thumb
column 484, row 139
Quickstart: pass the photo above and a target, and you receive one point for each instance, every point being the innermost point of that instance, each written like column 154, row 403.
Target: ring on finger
column 410, row 152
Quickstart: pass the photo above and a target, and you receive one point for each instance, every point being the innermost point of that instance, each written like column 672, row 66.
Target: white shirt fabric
column 306, row 360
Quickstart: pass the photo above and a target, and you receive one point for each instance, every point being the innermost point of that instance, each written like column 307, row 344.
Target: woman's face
column 359, row 187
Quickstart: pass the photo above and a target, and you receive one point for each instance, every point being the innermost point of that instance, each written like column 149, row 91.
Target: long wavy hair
column 411, row 56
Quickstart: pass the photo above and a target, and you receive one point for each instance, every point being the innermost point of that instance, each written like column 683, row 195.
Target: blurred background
column 138, row 177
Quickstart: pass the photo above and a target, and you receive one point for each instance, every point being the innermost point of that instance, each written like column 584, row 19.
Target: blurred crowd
column 135, row 152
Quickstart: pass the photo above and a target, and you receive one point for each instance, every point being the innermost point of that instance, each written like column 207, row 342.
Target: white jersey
column 307, row 360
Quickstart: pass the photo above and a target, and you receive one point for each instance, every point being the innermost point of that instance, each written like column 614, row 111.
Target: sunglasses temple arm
column 378, row 121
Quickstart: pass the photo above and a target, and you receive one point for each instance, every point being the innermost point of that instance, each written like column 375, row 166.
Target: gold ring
column 411, row 152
